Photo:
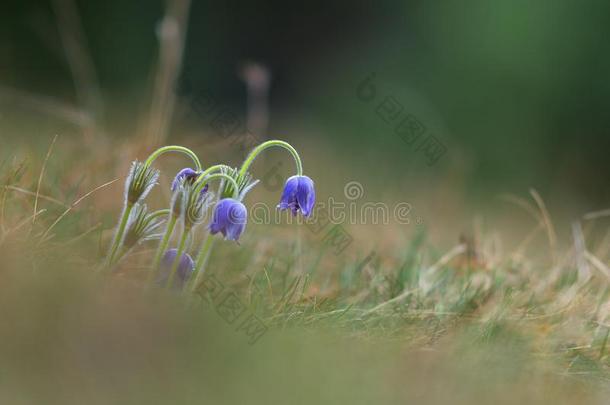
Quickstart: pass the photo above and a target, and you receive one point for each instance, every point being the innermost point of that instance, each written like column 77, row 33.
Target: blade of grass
column 40, row 196
column 40, row 176
column 72, row 206
column 550, row 229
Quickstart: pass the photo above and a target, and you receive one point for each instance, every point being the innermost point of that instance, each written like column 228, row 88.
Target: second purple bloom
column 230, row 218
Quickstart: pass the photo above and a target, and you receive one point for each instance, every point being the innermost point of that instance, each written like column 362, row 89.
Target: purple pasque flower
column 187, row 174
column 183, row 271
column 299, row 195
column 230, row 218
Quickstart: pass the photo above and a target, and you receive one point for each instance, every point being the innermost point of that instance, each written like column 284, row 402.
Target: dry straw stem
column 521, row 202
column 42, row 169
column 19, row 225
column 82, row 235
column 257, row 79
column 541, row 215
column 579, row 251
column 40, row 196
column 550, row 229
column 518, row 253
column 172, row 37
column 603, row 247
column 455, row 251
column 73, row 205
column 46, row 105
column 78, row 56
column 597, row 214
column 598, row 264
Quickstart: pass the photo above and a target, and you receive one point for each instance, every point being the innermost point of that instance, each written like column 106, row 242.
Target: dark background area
column 518, row 91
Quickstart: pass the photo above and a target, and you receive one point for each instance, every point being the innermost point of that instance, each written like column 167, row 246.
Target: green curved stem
column 169, row 230
column 180, row 250
column 201, row 182
column 202, row 260
column 173, row 148
column 265, row 145
column 212, row 169
column 118, row 236
column 152, row 216
column 120, row 253
column 158, row 213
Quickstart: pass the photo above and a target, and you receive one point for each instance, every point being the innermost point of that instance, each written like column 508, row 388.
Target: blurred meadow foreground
column 458, row 251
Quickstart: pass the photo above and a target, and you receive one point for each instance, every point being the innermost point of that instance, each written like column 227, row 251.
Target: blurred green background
column 517, row 91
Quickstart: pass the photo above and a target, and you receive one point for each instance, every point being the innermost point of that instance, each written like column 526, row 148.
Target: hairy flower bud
column 140, row 181
column 141, row 226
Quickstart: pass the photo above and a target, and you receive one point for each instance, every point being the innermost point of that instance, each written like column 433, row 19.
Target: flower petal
column 289, row 194
column 187, row 173
column 230, row 217
column 183, row 272
column 306, row 195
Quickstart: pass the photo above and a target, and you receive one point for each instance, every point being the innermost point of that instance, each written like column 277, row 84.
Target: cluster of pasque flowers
column 191, row 198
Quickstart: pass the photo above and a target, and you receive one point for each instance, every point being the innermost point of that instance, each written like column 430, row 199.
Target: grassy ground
column 469, row 322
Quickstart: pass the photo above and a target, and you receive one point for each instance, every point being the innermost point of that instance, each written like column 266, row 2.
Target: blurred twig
column 548, row 224
column 172, row 37
column 19, row 225
column 257, row 79
column 78, row 57
column 597, row 214
column 40, row 196
column 446, row 258
column 598, row 264
column 74, row 204
column 46, row 105
column 42, row 169
column 580, row 250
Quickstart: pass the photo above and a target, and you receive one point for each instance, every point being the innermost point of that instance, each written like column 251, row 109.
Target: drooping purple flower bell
column 299, row 195
column 230, row 218
column 183, row 271
column 188, row 174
